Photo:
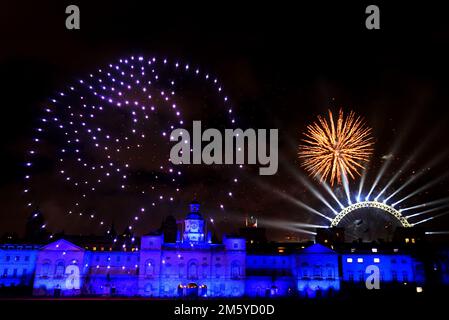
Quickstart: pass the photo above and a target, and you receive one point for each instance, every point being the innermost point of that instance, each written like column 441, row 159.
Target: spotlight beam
column 309, row 186
column 431, row 218
column 427, row 204
column 286, row 225
column 305, row 231
column 409, row 161
column 424, row 187
column 300, row 204
column 292, row 200
column 430, row 164
column 346, row 187
column 393, row 150
column 332, row 194
column 384, row 167
column 308, row 225
column 436, row 232
column 427, row 211
column 362, row 182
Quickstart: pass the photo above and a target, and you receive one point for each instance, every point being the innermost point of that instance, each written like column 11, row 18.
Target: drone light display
column 107, row 136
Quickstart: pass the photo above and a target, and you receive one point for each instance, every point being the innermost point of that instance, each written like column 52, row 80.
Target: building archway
column 203, row 290
column 192, row 290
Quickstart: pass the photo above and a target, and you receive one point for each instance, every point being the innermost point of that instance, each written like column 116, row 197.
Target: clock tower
column 194, row 224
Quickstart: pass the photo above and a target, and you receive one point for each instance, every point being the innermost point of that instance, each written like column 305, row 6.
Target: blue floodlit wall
column 191, row 266
column 194, row 266
column 392, row 267
column 269, row 275
column 317, row 271
column 184, row 268
column 56, row 266
column 441, row 265
column 17, row 264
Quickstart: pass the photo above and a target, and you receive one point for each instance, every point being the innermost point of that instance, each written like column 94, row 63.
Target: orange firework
column 336, row 150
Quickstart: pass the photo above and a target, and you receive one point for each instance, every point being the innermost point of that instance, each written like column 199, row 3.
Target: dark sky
column 281, row 65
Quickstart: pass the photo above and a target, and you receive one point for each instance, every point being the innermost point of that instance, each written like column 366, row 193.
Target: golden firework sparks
column 332, row 150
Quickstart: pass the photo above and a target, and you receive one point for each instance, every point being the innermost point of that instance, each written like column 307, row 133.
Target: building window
column 360, row 260
column 167, row 270
column 60, row 268
column 27, row 258
column 17, row 258
column 192, row 270
column 46, row 268
column 148, row 289
column 305, row 270
column 218, row 270
column 235, row 269
column 361, row 275
column 351, row 276
column 349, row 260
column 394, row 276
column 8, row 258
column 376, row 260
column 405, row 276
column 317, row 272
column 330, row 271
column 5, row 272
column 236, row 245
column 149, row 268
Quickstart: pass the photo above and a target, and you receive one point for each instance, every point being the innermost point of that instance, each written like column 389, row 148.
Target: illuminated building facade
column 193, row 265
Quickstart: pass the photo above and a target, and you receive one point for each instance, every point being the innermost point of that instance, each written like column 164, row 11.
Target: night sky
column 280, row 65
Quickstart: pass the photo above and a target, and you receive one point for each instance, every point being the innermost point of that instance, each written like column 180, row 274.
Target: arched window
column 394, row 275
column 148, row 289
column 46, row 268
column 192, row 270
column 60, row 269
column 235, row 269
column 167, row 269
column 149, row 268
column 305, row 270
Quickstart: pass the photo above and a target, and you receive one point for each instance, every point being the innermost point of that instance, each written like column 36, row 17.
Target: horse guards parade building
column 190, row 262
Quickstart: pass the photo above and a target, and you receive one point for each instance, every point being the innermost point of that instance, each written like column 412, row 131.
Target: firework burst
column 335, row 150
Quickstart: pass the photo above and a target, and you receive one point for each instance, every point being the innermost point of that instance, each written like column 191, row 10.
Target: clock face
column 193, row 226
